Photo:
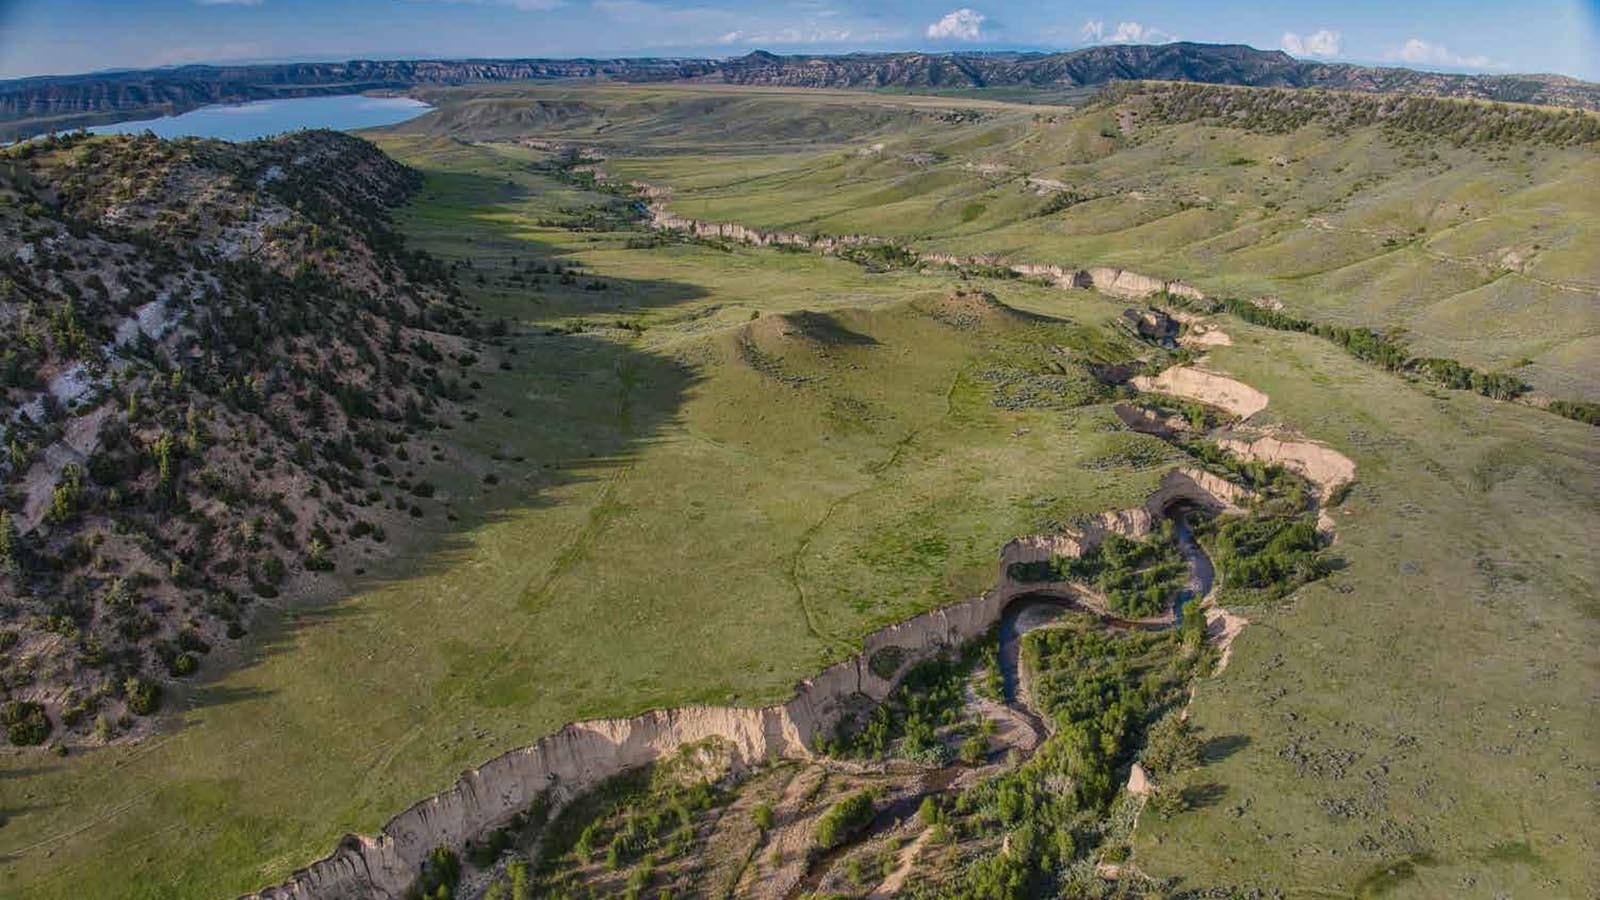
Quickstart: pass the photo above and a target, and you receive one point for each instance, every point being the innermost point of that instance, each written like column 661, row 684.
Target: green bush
column 762, row 816
column 144, row 697
column 844, row 820
column 1578, row 410
column 441, row 874
column 1273, row 555
column 1139, row 578
column 1172, row 746
column 26, row 723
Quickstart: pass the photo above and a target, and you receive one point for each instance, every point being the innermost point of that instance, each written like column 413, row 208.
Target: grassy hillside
column 1415, row 724
column 1478, row 252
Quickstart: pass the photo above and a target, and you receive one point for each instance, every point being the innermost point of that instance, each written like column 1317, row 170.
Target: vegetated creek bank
column 550, row 775
column 1027, row 613
column 1044, row 608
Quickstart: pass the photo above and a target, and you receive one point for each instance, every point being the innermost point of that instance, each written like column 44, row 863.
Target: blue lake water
column 263, row 118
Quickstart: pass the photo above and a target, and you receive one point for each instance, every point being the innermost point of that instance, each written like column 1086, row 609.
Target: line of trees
column 1387, row 351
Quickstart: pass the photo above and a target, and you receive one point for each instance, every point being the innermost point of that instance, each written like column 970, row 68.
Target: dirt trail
column 908, row 858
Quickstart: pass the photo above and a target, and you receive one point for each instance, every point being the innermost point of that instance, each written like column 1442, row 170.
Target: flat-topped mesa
column 581, row 755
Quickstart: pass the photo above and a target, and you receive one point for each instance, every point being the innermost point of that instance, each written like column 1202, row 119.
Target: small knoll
column 1210, row 388
column 968, row 309
column 819, row 328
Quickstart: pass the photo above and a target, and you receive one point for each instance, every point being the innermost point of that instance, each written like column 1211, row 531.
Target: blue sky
column 58, row 36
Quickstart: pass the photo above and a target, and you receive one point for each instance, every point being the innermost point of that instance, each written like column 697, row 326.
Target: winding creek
column 1026, row 613
column 1038, row 610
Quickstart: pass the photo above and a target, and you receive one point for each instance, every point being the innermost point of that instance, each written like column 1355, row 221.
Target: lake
column 263, row 118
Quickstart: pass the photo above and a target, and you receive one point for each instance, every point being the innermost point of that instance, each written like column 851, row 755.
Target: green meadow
column 705, row 472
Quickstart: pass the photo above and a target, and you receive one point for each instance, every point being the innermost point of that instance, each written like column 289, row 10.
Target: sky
column 63, row 36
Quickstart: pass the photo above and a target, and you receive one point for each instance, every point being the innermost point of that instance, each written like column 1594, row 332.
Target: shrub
column 884, row 663
column 483, row 855
column 1172, row 746
column 26, row 723
column 844, row 820
column 974, row 749
column 144, row 697
column 441, row 874
column 1578, row 410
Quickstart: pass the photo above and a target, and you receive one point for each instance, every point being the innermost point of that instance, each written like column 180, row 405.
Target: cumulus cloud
column 959, row 25
column 1322, row 43
column 1094, row 31
column 1419, row 52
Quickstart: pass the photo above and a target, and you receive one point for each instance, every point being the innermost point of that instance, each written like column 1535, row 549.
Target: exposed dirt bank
column 1318, row 463
column 1192, row 383
column 1112, row 282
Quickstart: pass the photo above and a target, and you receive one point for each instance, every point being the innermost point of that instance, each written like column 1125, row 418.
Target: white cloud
column 809, row 33
column 1420, row 52
column 1323, row 43
column 960, row 25
column 1094, row 32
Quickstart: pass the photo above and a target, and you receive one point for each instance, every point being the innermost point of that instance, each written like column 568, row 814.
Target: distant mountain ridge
column 34, row 105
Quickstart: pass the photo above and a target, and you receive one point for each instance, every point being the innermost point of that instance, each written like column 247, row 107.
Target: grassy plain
column 1416, row 724
column 699, row 499
column 1424, row 711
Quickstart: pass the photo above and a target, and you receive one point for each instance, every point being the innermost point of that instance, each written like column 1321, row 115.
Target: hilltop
column 54, row 103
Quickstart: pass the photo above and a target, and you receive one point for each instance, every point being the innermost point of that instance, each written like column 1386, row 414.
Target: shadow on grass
column 1223, row 746
column 576, row 405
column 825, row 328
column 1201, row 796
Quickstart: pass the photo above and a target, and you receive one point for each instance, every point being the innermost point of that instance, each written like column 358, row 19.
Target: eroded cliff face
column 1318, row 463
column 581, row 755
column 1112, row 282
column 1197, row 384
